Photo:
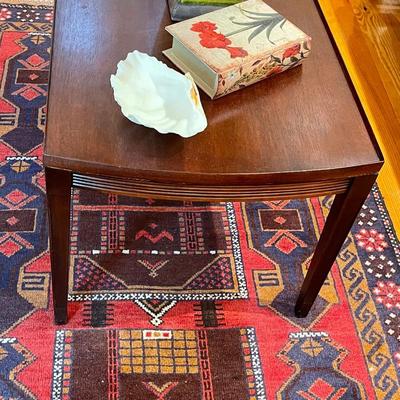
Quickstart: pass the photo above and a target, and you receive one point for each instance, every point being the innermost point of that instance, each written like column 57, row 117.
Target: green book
column 184, row 9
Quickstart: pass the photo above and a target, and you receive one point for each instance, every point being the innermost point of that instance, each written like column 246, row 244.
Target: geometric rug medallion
column 158, row 364
column 148, row 249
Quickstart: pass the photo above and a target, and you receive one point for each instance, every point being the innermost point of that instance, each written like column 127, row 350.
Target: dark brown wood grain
column 296, row 135
column 58, row 187
column 301, row 125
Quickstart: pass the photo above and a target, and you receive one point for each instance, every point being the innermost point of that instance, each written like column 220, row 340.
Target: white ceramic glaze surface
column 156, row 96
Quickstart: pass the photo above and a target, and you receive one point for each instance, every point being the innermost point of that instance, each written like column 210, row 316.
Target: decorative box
column 227, row 50
column 185, row 9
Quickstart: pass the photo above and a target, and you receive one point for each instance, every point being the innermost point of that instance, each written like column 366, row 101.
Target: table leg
column 343, row 213
column 58, row 186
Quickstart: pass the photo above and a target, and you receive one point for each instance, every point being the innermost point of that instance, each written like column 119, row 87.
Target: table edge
column 199, row 178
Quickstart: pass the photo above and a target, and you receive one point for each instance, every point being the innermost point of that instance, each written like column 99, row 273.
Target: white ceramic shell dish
column 156, row 96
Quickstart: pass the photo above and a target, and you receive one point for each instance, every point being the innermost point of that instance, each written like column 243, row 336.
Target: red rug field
column 172, row 301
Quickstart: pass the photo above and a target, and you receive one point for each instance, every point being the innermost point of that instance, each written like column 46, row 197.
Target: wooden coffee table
column 297, row 135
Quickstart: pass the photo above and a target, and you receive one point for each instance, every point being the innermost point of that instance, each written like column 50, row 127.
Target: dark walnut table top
column 300, row 126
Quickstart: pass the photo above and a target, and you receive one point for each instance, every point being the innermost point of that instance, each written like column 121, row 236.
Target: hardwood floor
column 368, row 35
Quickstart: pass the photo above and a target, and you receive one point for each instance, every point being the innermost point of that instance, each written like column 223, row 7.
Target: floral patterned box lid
column 229, row 49
column 228, row 37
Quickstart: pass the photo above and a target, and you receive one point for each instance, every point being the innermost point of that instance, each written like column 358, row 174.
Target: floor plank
column 368, row 35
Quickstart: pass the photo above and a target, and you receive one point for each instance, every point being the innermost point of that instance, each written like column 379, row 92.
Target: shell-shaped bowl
column 156, row 96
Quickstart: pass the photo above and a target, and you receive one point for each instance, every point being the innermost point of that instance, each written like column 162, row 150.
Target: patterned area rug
column 179, row 300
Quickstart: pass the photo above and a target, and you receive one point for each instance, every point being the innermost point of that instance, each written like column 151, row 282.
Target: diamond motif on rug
column 30, row 94
column 9, row 248
column 16, row 196
column 321, row 390
column 35, row 60
column 12, row 221
column 285, row 245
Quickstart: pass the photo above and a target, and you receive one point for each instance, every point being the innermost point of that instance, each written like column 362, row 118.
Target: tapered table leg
column 344, row 211
column 58, row 184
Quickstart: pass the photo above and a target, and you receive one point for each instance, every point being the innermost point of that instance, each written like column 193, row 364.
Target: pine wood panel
column 367, row 33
